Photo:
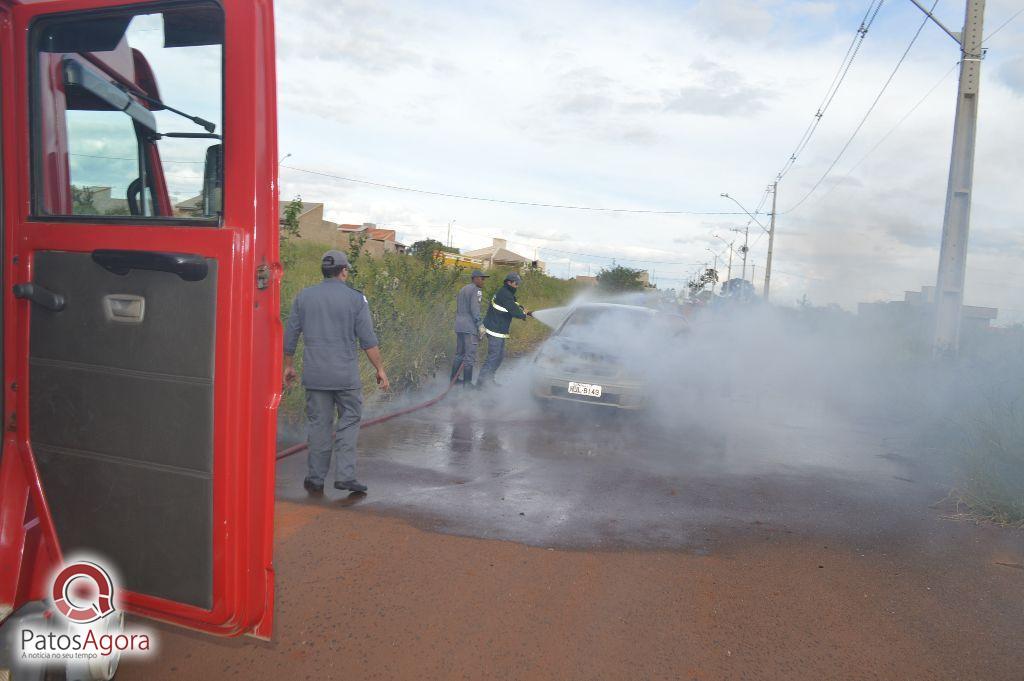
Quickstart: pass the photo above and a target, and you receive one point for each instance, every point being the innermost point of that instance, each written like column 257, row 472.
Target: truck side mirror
column 213, row 181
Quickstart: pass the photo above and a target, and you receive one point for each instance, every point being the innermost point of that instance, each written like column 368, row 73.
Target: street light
column 728, row 274
column 727, row 243
column 450, row 223
column 725, row 195
column 283, row 158
column 717, row 256
column 774, row 189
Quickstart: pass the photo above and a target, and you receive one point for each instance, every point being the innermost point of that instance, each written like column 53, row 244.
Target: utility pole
column 771, row 245
column 744, row 249
column 949, row 282
column 450, row 222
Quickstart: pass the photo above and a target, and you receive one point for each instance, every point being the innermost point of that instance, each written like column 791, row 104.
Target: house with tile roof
column 499, row 255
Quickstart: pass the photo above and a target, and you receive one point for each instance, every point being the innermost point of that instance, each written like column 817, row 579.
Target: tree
column 290, row 221
column 620, row 278
column 699, row 282
column 738, row 289
column 425, row 249
column 81, row 201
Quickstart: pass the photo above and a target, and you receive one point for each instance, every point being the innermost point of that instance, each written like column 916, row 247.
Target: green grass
column 413, row 307
column 993, row 482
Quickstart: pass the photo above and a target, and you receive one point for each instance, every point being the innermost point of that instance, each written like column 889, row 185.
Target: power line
column 867, row 114
column 615, row 258
column 535, row 204
column 886, row 136
column 1004, row 24
column 578, row 253
column 133, row 160
column 833, row 88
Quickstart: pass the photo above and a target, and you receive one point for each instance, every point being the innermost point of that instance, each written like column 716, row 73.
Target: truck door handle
column 40, row 296
column 188, row 266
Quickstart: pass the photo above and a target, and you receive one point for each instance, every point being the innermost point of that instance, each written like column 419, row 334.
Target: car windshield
column 606, row 325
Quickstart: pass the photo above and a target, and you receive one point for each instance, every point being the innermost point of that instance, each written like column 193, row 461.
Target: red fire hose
column 295, row 449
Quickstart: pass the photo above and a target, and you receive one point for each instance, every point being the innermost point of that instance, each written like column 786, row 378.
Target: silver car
column 600, row 354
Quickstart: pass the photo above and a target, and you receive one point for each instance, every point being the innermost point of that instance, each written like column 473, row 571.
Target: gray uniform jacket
column 467, row 309
column 334, row 320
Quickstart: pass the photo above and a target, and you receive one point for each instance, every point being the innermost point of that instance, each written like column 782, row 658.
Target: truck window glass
column 103, row 160
column 127, row 115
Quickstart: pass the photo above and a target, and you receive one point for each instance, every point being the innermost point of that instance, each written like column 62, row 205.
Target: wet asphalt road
column 497, row 464
column 740, row 539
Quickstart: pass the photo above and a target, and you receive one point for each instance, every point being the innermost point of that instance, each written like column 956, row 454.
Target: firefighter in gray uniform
column 468, row 327
column 504, row 308
column 335, row 321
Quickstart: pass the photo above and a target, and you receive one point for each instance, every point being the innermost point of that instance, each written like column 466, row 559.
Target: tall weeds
column 413, row 308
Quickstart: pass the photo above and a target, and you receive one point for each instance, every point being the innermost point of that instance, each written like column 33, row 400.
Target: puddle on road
column 502, row 467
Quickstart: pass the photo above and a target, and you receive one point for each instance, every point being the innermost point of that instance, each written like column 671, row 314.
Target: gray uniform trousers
column 495, row 353
column 465, row 352
column 326, row 437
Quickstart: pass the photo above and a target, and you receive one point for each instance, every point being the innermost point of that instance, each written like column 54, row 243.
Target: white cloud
column 652, row 106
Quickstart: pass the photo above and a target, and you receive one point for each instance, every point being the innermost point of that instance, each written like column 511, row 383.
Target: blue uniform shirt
column 334, row 320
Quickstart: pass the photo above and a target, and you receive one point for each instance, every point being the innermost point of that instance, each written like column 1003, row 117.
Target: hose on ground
column 295, row 449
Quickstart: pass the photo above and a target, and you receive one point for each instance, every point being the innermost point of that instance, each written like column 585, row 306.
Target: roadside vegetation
column 992, row 443
column 993, row 487
column 412, row 300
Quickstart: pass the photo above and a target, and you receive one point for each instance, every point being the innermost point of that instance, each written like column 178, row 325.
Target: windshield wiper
column 192, row 135
column 201, row 122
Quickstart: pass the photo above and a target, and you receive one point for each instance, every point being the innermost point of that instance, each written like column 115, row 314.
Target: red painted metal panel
column 248, row 344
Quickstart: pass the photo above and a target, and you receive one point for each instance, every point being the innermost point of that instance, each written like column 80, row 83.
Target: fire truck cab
column 140, row 304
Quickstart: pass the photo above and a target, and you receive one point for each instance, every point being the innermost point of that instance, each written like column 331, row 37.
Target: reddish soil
column 362, row 595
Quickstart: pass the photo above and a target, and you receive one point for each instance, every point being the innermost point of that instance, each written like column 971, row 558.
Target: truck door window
column 103, row 160
column 127, row 115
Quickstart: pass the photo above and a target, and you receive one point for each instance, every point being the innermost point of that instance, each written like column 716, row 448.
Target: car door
column 141, row 325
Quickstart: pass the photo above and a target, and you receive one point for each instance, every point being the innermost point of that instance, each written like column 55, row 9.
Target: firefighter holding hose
column 504, row 308
column 334, row 319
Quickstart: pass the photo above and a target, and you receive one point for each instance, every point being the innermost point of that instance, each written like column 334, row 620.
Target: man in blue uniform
column 335, row 321
column 468, row 326
column 503, row 310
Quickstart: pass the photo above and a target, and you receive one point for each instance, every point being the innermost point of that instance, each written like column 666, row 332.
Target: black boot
column 467, row 377
column 455, row 370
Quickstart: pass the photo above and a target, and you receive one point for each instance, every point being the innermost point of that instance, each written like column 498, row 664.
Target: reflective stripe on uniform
column 495, row 333
column 494, row 304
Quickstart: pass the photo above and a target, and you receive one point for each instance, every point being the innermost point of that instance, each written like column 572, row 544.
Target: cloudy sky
column 658, row 106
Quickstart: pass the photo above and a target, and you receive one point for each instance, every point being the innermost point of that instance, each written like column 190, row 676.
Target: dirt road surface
column 502, row 540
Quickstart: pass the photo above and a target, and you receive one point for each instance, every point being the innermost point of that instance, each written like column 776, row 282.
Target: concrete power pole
column 949, row 284
column 771, row 245
column 745, row 249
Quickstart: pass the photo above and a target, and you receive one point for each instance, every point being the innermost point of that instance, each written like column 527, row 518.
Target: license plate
column 585, row 389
